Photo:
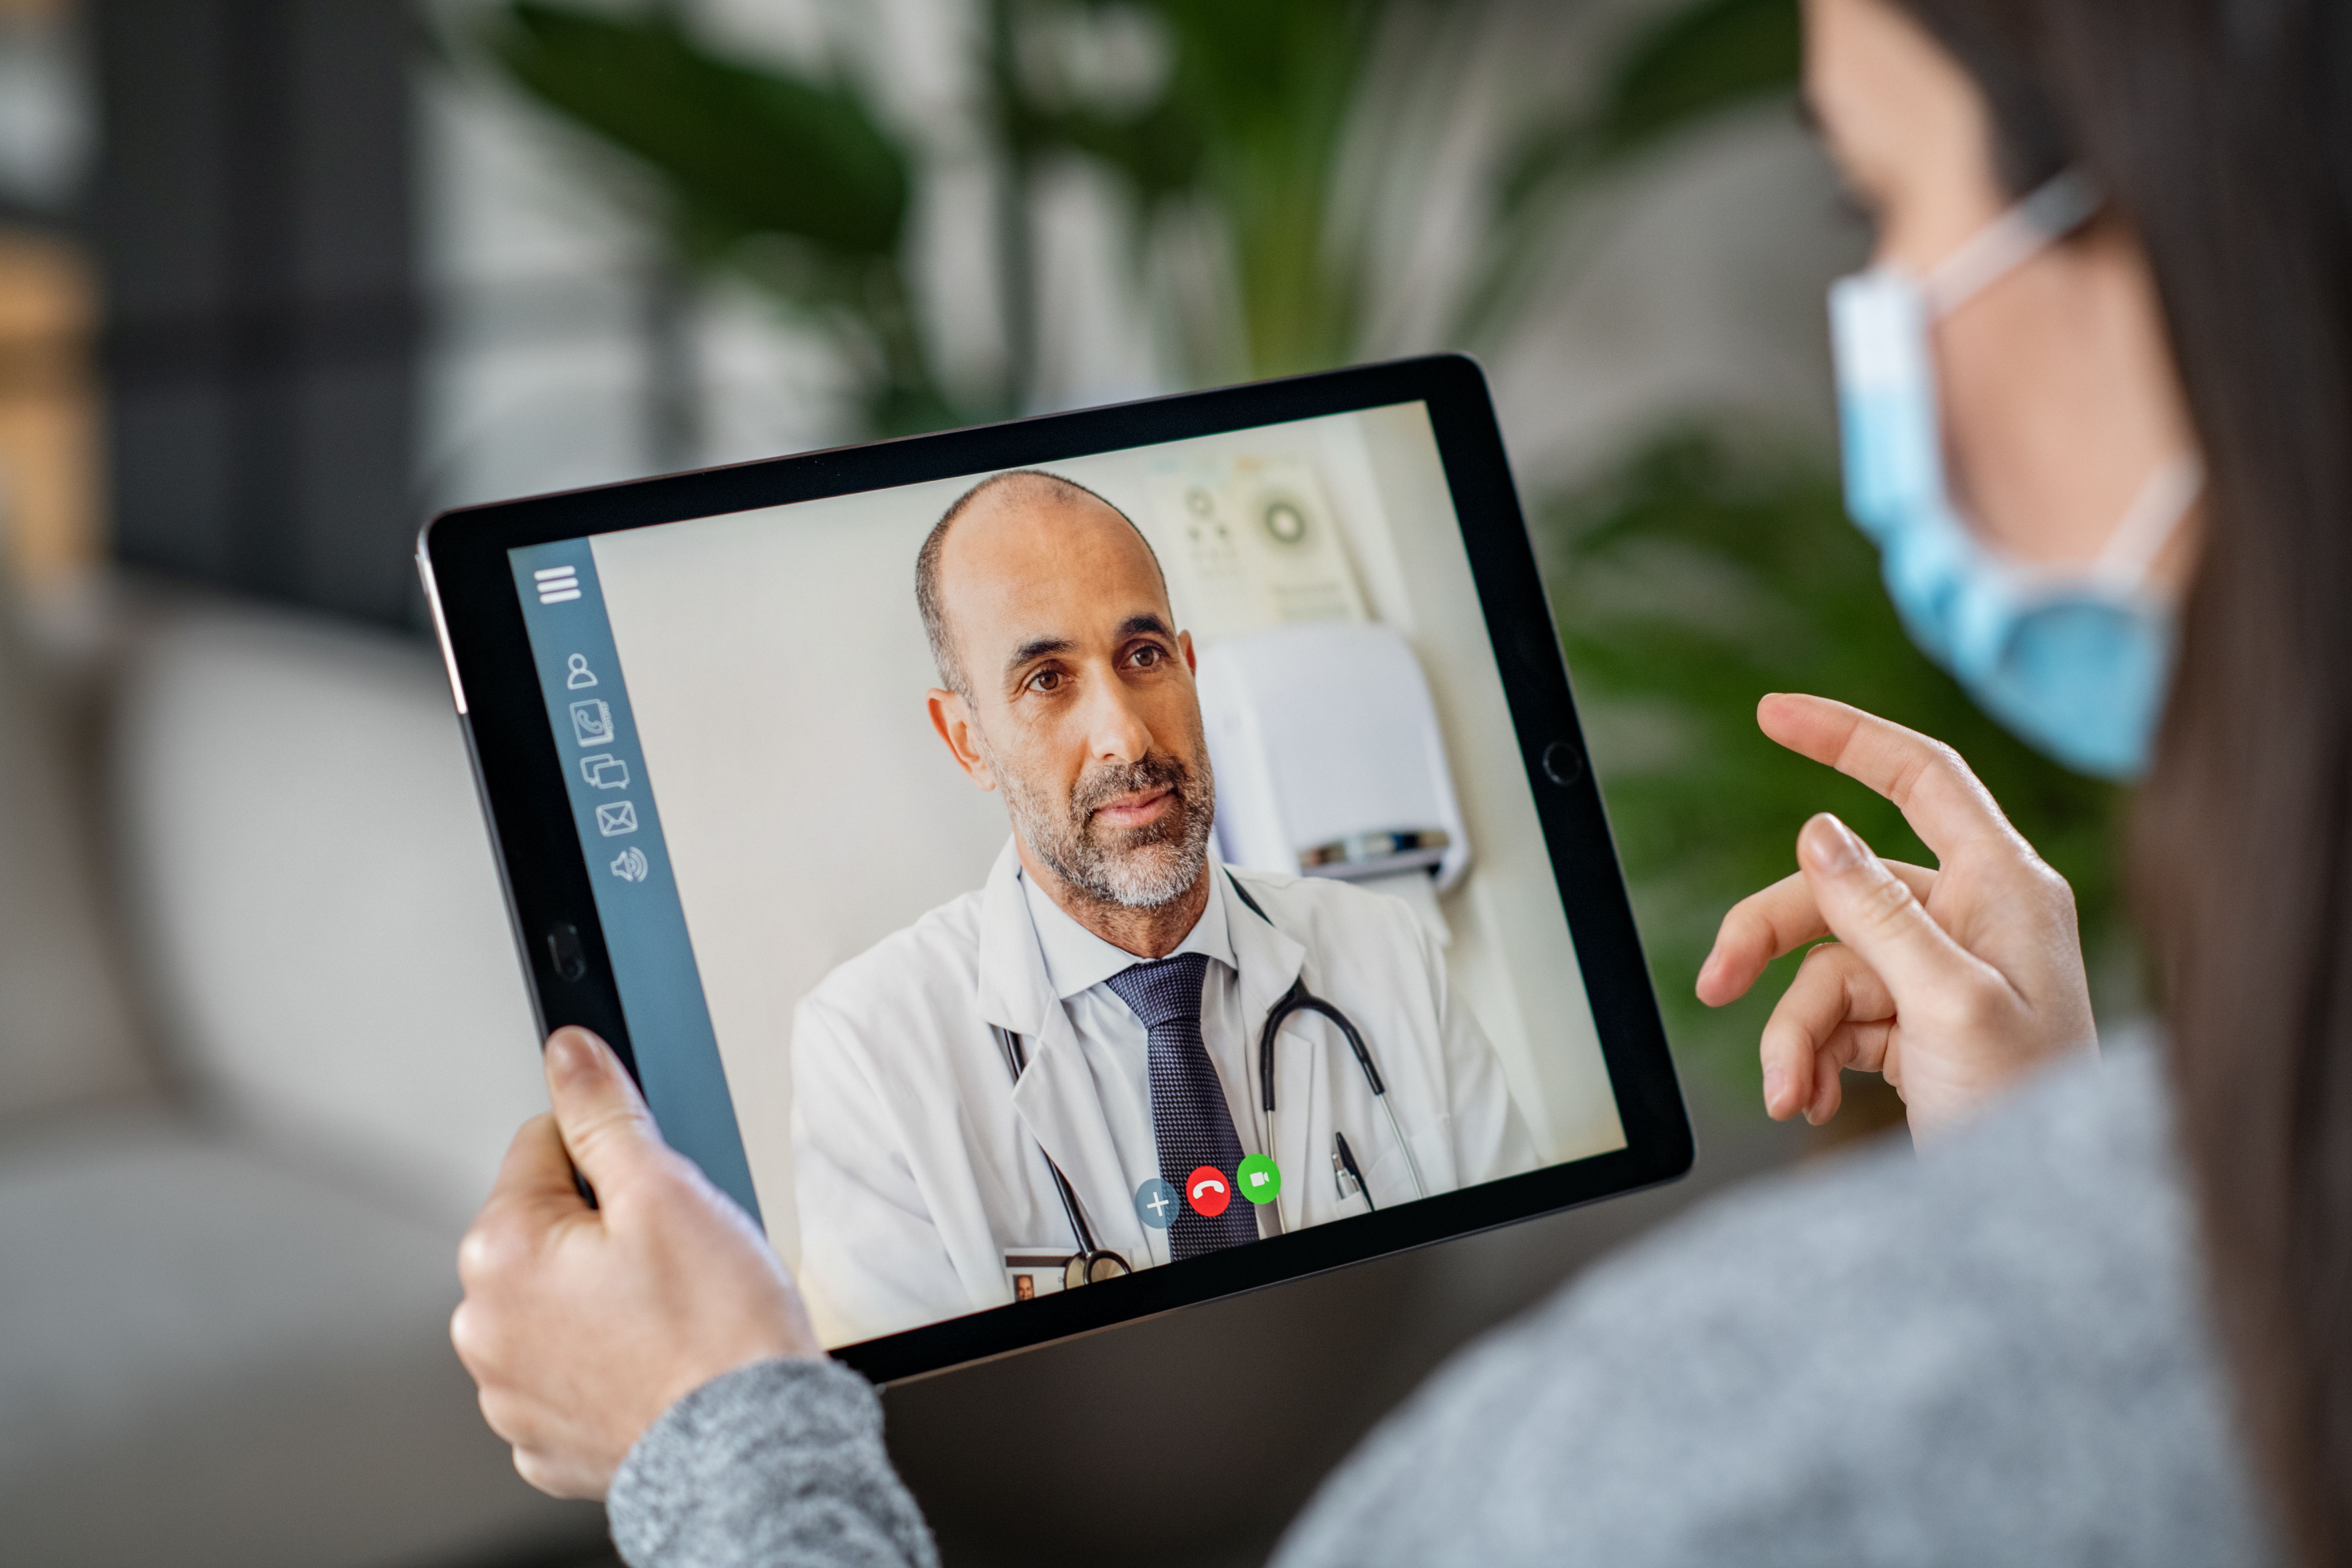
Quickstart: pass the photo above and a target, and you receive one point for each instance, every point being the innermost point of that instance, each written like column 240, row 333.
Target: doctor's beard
column 1137, row 868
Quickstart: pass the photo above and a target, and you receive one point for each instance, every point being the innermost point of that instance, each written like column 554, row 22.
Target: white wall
column 1510, row 935
column 777, row 671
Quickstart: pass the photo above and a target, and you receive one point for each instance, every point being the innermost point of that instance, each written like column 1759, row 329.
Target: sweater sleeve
column 776, row 1465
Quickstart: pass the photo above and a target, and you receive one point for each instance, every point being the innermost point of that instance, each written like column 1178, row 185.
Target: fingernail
column 1830, row 845
column 1706, row 969
column 571, row 1053
column 1774, row 1082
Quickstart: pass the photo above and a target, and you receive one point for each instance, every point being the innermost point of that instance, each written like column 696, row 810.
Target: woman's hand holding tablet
column 583, row 1324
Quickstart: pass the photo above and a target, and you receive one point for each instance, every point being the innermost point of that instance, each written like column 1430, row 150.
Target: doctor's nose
column 1116, row 731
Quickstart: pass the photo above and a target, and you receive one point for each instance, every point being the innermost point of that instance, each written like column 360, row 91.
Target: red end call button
column 1209, row 1191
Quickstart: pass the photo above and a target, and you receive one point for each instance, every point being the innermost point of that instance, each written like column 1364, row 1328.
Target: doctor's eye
column 1046, row 680
column 1148, row 655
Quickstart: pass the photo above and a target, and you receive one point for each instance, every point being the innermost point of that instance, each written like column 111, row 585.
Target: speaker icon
column 631, row 865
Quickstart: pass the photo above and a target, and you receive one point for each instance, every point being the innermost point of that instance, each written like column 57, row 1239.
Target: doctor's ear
column 952, row 716
column 1192, row 660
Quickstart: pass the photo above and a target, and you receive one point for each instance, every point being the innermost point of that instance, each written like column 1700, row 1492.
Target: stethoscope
column 1092, row 1263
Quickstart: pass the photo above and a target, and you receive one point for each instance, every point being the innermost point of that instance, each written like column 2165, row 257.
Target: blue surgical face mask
column 2074, row 660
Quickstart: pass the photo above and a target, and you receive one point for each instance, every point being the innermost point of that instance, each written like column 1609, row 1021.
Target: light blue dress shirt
column 1078, row 965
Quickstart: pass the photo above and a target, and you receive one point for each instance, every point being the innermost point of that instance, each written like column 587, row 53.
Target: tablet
column 1057, row 872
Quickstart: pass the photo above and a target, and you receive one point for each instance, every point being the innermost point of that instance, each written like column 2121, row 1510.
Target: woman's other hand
column 582, row 1325
column 1954, row 983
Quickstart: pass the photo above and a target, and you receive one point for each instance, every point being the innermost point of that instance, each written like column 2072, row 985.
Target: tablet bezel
column 463, row 558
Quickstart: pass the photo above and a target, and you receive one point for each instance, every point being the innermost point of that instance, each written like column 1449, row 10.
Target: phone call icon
column 591, row 722
column 1208, row 1192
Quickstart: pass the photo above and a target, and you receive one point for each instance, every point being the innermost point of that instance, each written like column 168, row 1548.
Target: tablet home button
column 1562, row 763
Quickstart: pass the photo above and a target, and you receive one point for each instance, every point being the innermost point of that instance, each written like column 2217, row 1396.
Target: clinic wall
column 778, row 674
column 1509, row 927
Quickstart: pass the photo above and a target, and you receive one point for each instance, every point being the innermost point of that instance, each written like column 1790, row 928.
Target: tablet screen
column 955, row 843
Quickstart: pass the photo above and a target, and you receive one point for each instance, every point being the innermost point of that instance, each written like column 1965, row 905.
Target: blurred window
column 48, row 456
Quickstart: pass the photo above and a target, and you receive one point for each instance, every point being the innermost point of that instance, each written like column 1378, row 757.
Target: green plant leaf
column 746, row 151
column 1158, row 152
column 1698, row 63
column 1256, row 105
column 790, row 182
column 1274, row 87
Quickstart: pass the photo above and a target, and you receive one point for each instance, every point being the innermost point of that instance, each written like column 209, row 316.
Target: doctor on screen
column 1060, row 1075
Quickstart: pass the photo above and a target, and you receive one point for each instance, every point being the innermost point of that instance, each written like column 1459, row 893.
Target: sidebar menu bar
column 619, row 824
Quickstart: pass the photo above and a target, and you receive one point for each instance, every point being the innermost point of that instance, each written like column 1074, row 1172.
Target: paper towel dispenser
column 1327, row 755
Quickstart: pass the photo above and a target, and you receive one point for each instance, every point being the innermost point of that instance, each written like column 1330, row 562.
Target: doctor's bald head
column 1067, row 685
column 1033, row 503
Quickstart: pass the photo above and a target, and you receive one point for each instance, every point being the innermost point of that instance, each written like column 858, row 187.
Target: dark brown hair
column 2222, row 129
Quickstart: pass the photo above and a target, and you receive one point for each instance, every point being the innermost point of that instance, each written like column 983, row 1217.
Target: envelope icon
column 617, row 818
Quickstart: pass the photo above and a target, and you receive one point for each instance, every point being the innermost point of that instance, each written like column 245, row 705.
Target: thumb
column 1874, row 912
column 605, row 1126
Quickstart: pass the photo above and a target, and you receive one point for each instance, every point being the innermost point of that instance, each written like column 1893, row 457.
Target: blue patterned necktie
column 1189, row 1118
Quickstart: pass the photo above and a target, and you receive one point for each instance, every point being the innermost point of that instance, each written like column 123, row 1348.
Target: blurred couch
column 262, row 1040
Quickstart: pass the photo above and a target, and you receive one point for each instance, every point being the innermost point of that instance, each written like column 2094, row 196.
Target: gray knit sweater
column 1992, row 1354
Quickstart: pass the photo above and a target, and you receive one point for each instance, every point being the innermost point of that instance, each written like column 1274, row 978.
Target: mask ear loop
column 2150, row 521
column 2051, row 212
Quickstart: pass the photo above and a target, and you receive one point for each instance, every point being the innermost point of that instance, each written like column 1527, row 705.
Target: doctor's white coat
column 920, row 1165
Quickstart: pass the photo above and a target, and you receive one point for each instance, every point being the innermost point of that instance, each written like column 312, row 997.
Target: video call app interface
column 860, row 915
